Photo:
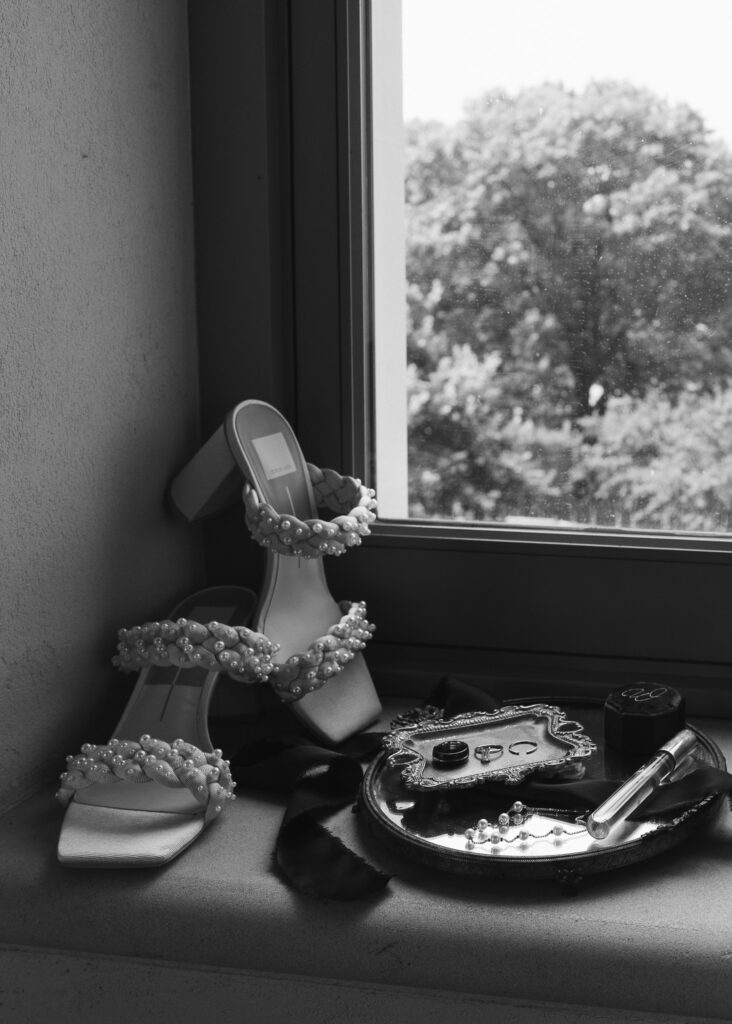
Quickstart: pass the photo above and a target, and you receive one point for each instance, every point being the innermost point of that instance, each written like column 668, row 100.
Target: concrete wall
column 97, row 358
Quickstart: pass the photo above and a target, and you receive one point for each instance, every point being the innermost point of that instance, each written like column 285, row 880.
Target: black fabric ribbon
column 320, row 781
column 315, row 862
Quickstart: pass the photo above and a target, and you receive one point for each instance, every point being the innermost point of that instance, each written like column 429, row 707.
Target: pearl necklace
column 517, row 816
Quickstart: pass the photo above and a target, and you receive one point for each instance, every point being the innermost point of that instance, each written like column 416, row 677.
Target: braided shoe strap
column 235, row 650
column 243, row 654
column 177, row 765
column 285, row 534
column 325, row 657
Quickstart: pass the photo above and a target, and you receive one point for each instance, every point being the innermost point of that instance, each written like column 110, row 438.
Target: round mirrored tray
column 430, row 826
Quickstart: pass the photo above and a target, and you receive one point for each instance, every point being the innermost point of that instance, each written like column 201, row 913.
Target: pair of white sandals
column 140, row 799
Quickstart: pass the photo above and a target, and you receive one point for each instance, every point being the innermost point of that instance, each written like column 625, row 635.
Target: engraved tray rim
column 414, row 764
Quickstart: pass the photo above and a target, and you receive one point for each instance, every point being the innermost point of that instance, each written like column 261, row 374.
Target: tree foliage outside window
column 569, row 269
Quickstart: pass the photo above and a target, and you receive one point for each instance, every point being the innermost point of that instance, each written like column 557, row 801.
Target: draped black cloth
column 320, row 781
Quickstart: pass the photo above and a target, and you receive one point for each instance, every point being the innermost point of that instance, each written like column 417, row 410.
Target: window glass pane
column 558, row 268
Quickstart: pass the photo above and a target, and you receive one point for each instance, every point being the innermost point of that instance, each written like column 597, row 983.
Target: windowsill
column 655, row 937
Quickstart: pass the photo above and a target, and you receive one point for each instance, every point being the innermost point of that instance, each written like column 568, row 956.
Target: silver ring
column 489, row 752
column 523, row 743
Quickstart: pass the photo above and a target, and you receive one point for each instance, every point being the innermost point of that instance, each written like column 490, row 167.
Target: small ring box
column 640, row 717
column 450, row 754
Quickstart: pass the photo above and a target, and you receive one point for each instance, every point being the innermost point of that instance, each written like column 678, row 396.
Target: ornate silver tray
column 506, row 745
column 429, row 825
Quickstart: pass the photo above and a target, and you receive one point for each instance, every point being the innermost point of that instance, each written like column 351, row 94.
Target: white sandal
column 111, row 819
column 316, row 639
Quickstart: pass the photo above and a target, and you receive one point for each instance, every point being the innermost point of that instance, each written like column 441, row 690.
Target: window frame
column 527, row 609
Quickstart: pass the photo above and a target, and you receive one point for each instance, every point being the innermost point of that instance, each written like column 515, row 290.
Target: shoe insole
column 295, row 606
column 273, row 460
column 110, row 837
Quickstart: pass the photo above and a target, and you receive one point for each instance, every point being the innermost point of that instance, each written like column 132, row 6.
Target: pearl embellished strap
column 235, row 650
column 177, row 764
column 245, row 655
column 325, row 657
column 285, row 534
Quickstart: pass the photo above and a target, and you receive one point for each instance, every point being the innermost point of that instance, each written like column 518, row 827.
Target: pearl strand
column 484, row 832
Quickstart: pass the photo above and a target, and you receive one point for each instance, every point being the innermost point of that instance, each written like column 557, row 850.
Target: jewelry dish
column 481, row 832
column 506, row 745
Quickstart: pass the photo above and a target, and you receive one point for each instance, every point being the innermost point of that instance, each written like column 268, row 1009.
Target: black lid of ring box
column 640, row 717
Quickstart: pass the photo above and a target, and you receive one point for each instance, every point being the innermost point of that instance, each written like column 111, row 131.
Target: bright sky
column 456, row 49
